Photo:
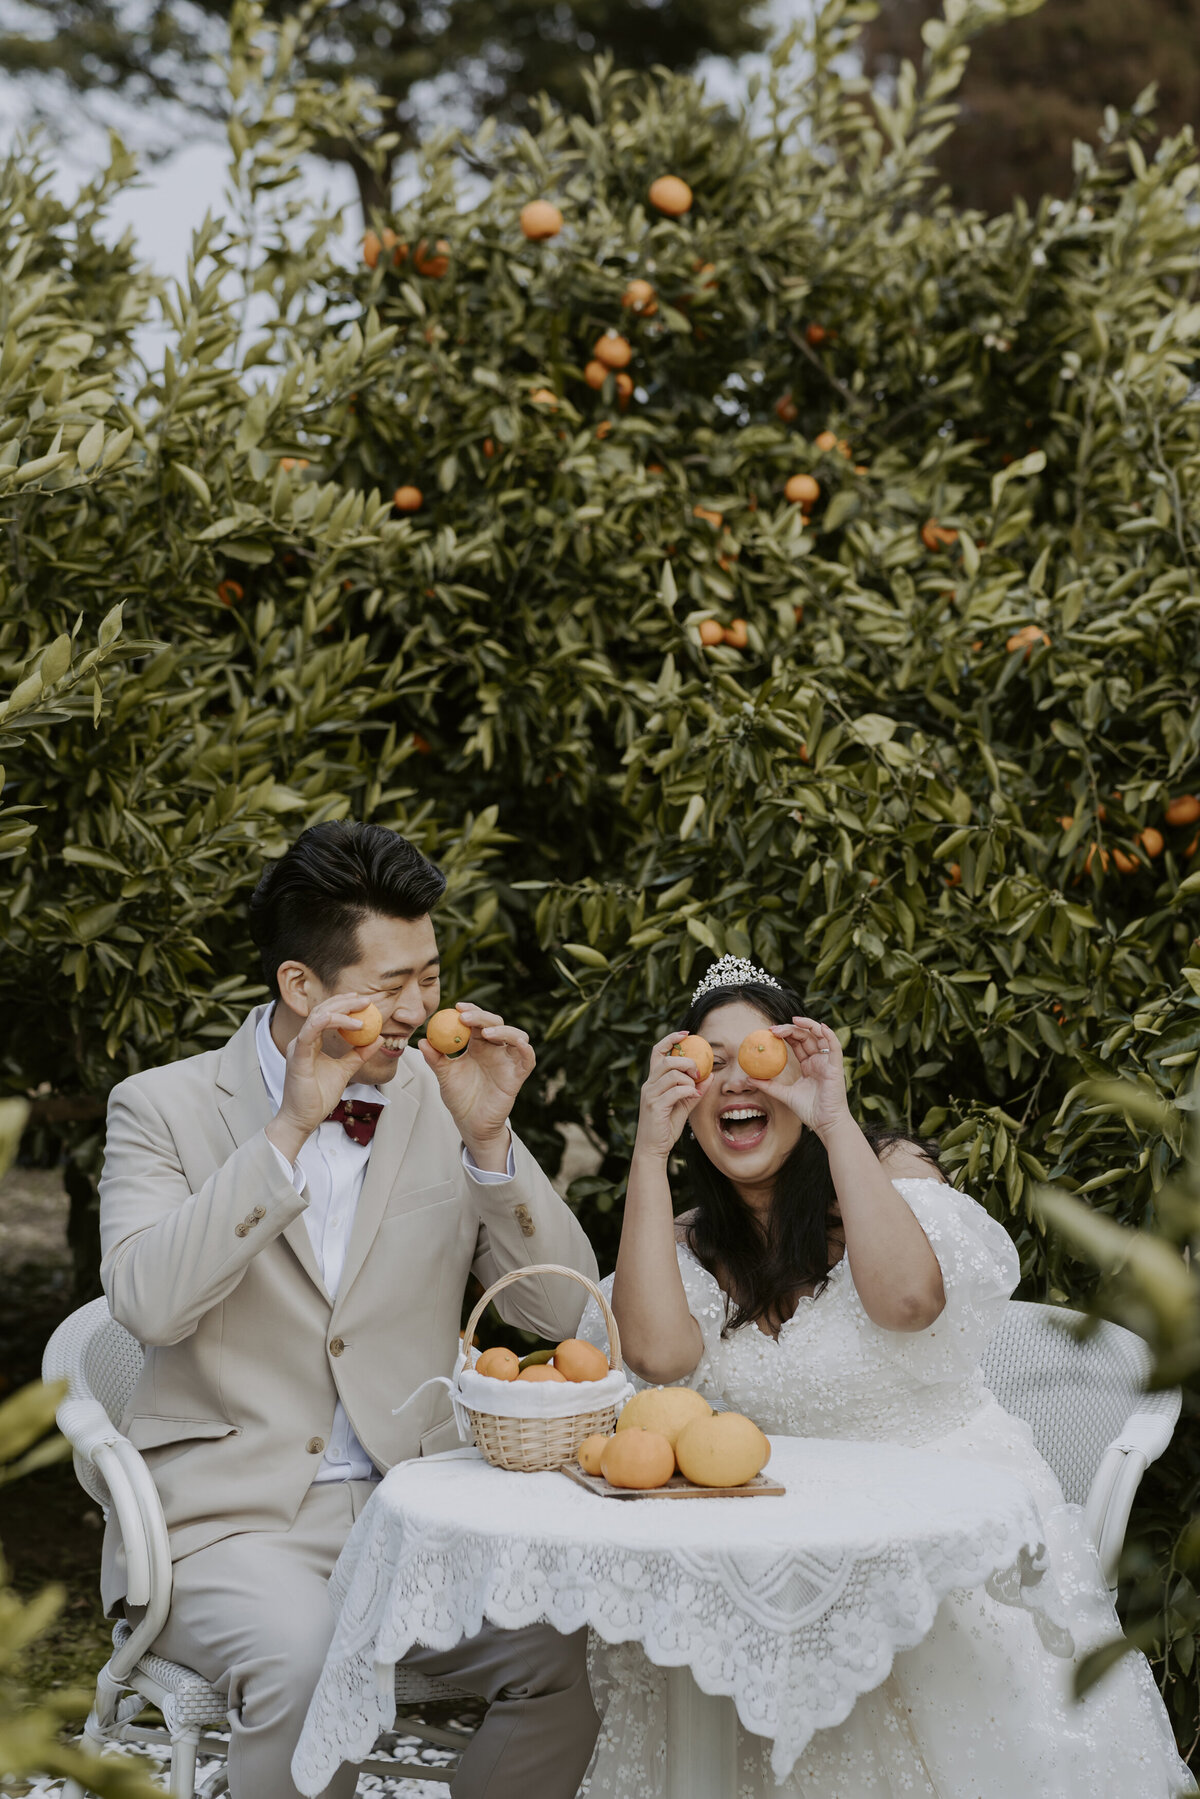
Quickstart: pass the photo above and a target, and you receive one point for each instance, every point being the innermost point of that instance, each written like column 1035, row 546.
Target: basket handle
column 519, row 1274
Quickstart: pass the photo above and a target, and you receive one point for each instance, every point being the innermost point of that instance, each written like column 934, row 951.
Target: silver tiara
column 731, row 971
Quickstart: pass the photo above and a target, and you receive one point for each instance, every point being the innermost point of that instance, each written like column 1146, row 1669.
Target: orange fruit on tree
column 696, row 1049
column 1094, row 850
column 613, row 350
column 1151, row 841
column 1066, row 821
column 229, row 591
column 544, row 396
column 637, row 1459
column 392, row 242
column 371, row 246
column 641, row 298
column 368, row 1030
column 815, row 334
column 826, row 441
column 1183, row 811
column 954, row 875
column 738, row 634
column 1126, row 864
column 408, row 499
column 937, row 537
column 541, row 1371
column 421, row 744
column 498, row 1364
column 604, row 429
column 580, row 1361
column 787, row 409
column 1024, row 639
column 802, row 490
column 489, row 448
column 711, row 632
column 844, row 448
column 624, row 385
column 671, row 195
column 762, row 1054
column 715, row 519
column 433, row 262
column 590, row 1452
column 595, row 373
column 541, row 219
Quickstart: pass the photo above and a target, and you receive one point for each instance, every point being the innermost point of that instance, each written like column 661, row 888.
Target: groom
column 288, row 1226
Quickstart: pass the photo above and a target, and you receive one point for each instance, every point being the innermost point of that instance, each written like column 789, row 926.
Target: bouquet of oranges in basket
column 571, row 1360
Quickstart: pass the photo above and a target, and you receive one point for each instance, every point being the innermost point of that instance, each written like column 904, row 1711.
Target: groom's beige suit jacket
column 207, row 1261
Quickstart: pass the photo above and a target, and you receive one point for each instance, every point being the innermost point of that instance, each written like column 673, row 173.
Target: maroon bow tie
column 357, row 1117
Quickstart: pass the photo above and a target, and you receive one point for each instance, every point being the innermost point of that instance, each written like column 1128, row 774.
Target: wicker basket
column 533, row 1445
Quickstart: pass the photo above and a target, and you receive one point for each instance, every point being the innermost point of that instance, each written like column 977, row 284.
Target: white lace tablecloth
column 792, row 1606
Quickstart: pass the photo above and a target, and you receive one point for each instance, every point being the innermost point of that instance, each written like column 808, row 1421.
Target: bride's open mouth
column 742, row 1127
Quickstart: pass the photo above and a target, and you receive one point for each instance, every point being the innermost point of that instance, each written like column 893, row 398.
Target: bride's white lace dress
column 980, row 1709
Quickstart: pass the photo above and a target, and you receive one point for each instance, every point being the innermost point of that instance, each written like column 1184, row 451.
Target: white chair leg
column 183, row 1763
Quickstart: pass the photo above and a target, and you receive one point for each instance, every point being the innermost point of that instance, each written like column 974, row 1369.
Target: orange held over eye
column 578, row 1361
column 498, row 1364
column 540, row 219
column 368, row 1030
column 613, row 350
column 763, row 1055
column 408, row 499
column 671, row 195
column 803, row 490
column 697, row 1051
column 447, row 1033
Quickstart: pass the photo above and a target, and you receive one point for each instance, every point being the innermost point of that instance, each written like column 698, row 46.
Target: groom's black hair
column 308, row 906
column 761, row 1271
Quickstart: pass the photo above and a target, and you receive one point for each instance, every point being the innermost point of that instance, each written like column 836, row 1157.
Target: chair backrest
column 1074, row 1392
column 99, row 1360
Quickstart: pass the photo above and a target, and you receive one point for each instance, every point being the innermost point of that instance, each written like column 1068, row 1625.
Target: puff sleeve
column 980, row 1268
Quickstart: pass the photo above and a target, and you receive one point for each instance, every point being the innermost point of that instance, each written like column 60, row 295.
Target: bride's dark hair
column 761, row 1273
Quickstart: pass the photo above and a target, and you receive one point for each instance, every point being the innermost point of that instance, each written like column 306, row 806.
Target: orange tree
column 805, row 571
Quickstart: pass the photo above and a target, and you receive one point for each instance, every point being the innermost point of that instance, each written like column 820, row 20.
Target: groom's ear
column 299, row 988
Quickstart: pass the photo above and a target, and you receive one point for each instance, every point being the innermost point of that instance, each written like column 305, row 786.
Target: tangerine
column 498, row 1364
column 937, row 537
column 738, row 634
column 580, row 1361
column 1024, row 639
column 786, row 409
column 763, row 1055
column 1094, row 850
column 827, row 440
column 695, row 1048
column 671, row 195
column 802, row 490
column 368, row 1030
column 543, row 396
column 723, row 1450
column 715, row 519
column 815, row 334
column 590, row 1452
column 954, row 876
column 408, row 499
column 229, row 591
column 638, row 1459
column 540, row 1371
column 641, row 298
column 1151, row 841
column 371, row 246
column 711, row 632
column 1183, row 811
column 1126, row 864
column 432, row 262
column 667, row 1410
column 447, row 1033
column 613, row 350
column 595, row 373
column 624, row 385
column 541, row 219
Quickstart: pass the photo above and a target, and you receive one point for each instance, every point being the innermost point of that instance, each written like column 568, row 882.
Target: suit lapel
column 388, row 1145
column 245, row 1105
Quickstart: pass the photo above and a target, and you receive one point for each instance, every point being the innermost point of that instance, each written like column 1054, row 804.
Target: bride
column 831, row 1284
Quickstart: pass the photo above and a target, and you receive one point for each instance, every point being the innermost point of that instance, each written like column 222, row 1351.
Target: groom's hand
column 314, row 1081
column 480, row 1085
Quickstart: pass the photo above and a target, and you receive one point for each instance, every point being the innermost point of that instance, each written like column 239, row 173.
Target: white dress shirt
column 331, row 1167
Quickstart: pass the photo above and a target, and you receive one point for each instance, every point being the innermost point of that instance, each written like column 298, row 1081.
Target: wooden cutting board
column 676, row 1488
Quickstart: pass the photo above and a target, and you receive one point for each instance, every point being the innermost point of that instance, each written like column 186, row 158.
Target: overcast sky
column 175, row 193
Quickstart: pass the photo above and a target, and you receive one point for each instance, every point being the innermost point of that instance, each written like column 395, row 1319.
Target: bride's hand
column 670, row 1092
column 817, row 1092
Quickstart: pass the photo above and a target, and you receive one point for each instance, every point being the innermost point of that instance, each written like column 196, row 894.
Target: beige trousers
column 252, row 1615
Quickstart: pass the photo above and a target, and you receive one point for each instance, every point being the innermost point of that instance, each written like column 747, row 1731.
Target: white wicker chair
column 1083, row 1394
column 101, row 1363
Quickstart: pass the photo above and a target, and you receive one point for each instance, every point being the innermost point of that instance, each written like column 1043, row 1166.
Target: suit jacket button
column 258, row 1212
column 337, row 1346
column 521, row 1214
column 315, row 1445
column 241, row 1230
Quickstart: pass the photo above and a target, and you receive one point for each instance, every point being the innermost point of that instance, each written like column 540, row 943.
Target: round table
column 789, row 1607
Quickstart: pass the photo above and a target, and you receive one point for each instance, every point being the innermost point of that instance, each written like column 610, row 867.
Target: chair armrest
column 1141, row 1440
